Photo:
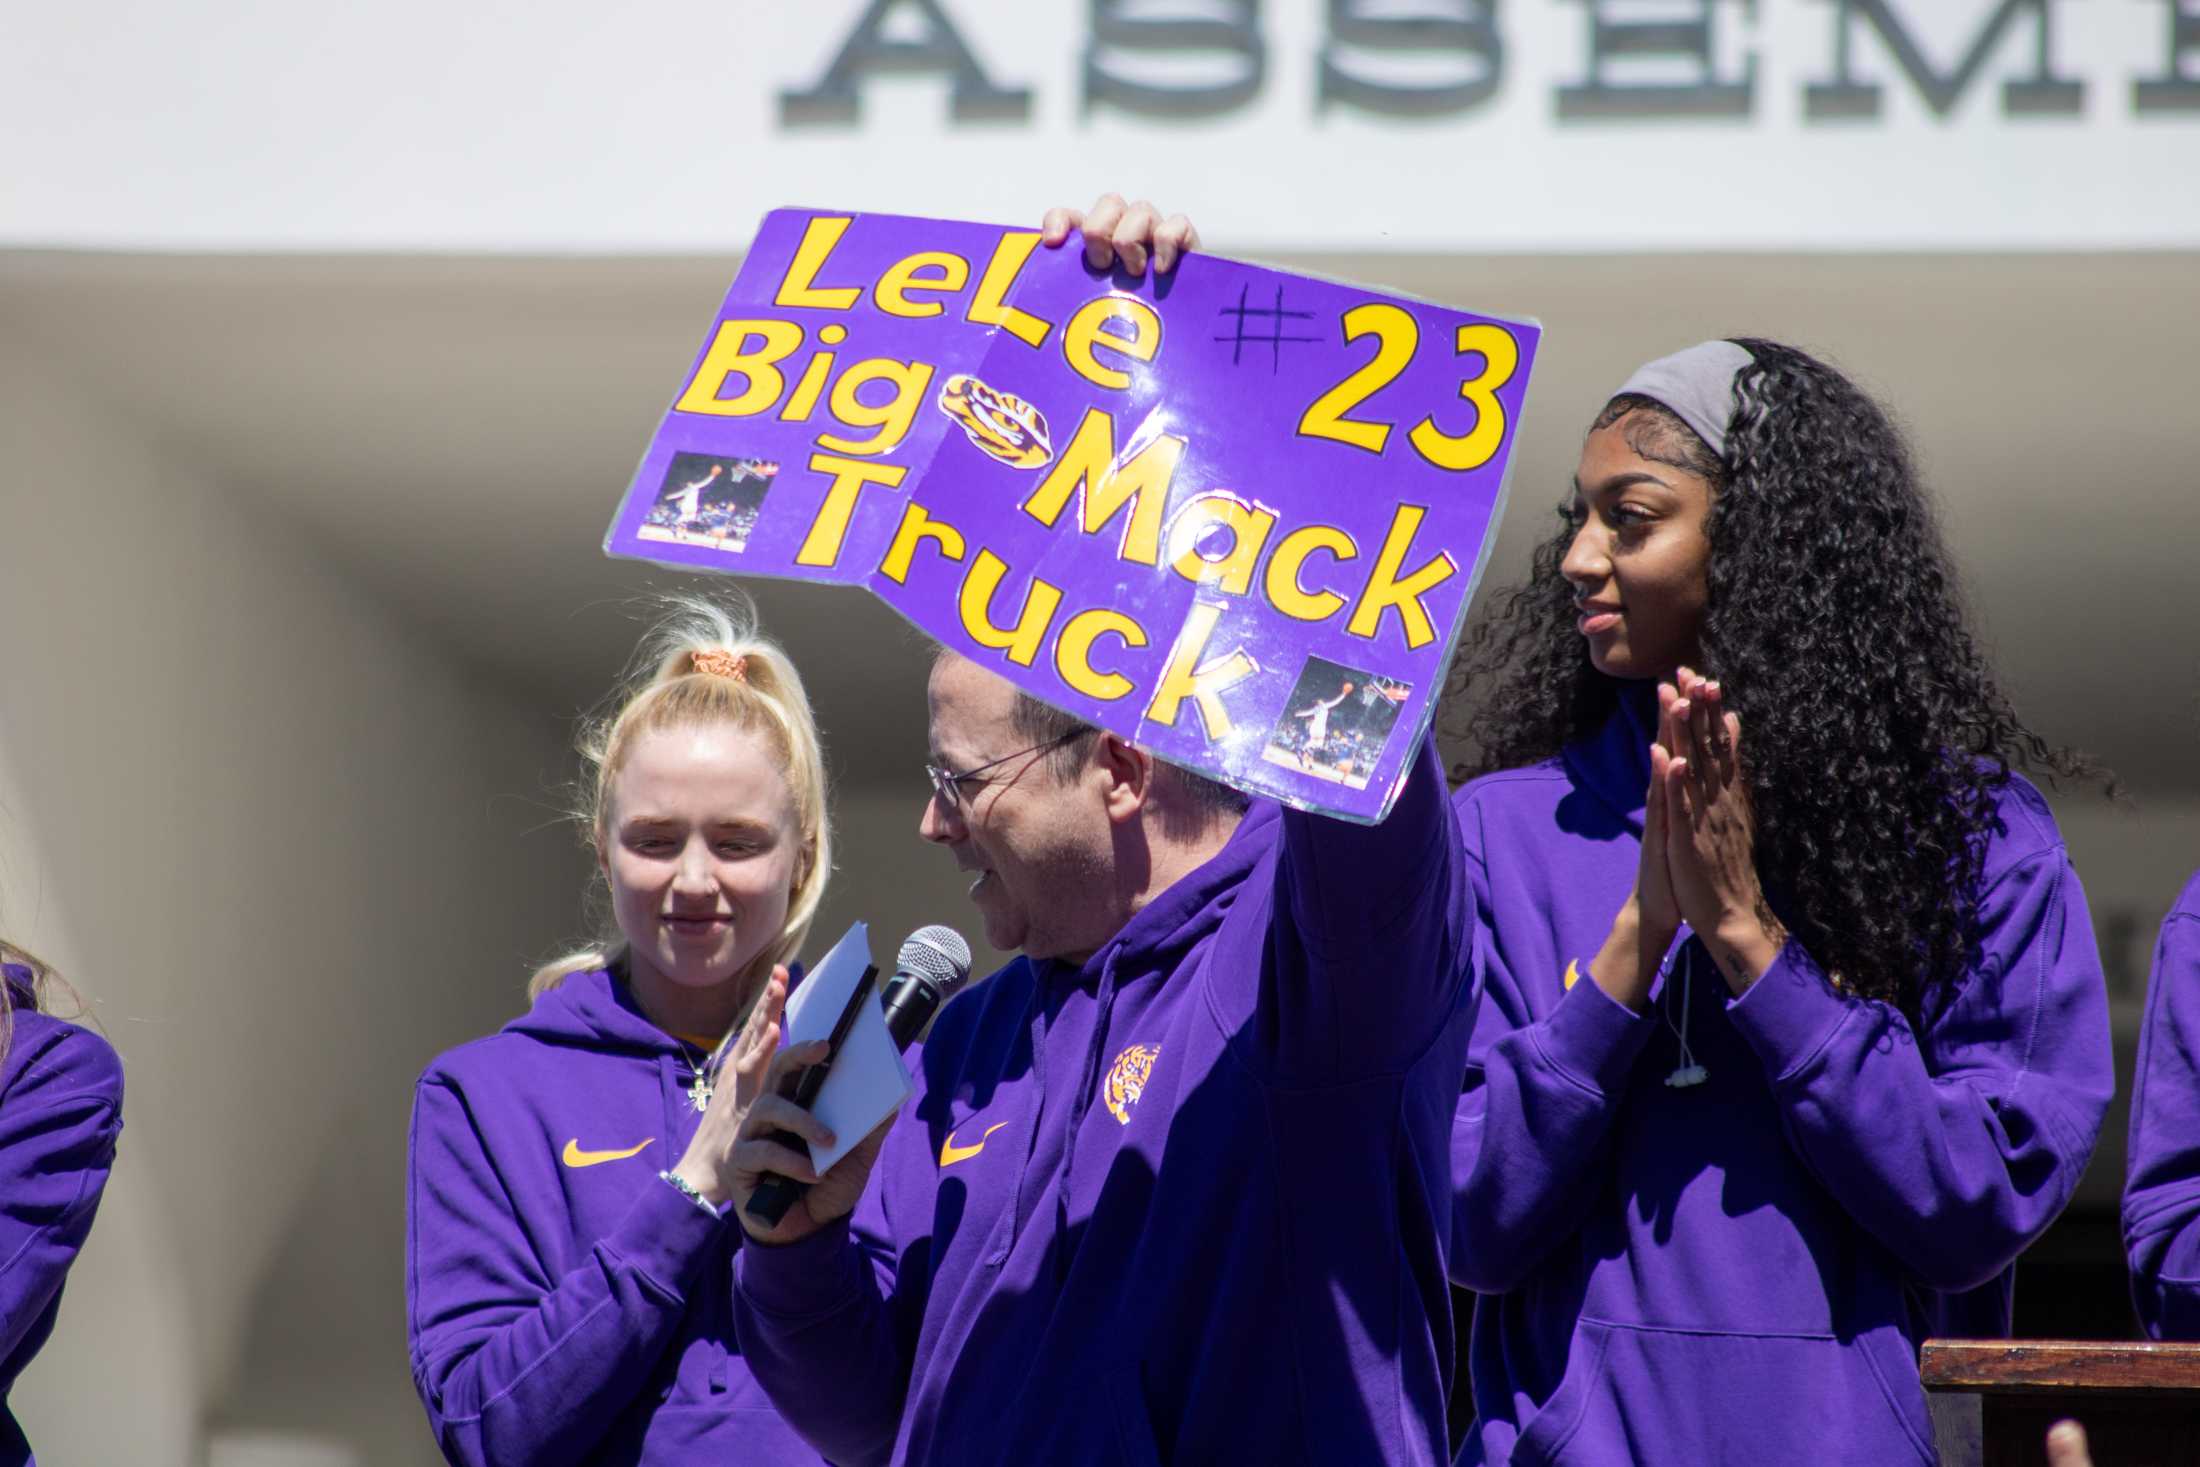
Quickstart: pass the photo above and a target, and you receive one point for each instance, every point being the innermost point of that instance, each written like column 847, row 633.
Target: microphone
column 932, row 964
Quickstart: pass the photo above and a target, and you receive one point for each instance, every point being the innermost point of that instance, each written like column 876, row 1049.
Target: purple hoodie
column 60, row 1111
column 1181, row 1203
column 2162, row 1185
column 565, row 1304
column 1742, row 1270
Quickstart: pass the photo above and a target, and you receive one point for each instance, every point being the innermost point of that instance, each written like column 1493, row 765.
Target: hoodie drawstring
column 1688, row 1072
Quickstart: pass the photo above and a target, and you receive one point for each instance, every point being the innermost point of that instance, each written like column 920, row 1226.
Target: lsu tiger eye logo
column 1127, row 1079
column 1001, row 424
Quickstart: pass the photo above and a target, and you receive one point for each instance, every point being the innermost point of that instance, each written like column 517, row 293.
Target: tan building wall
column 286, row 846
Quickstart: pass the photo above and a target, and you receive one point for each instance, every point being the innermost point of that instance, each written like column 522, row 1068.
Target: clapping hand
column 707, row 1164
column 1711, row 832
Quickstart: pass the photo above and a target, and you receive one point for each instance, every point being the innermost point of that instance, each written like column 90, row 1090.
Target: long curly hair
column 1875, row 739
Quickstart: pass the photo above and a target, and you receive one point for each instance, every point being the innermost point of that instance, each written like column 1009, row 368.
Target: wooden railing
column 1993, row 1400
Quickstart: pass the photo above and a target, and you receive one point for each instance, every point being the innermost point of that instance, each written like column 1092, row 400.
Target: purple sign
column 1232, row 514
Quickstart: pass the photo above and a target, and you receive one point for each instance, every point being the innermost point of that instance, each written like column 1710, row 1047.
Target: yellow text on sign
column 1397, row 338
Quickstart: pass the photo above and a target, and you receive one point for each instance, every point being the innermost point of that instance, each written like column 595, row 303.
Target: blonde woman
column 60, row 1111
column 568, row 1258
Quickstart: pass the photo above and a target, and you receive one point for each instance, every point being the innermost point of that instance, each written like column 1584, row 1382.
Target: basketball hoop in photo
column 1336, row 722
column 709, row 499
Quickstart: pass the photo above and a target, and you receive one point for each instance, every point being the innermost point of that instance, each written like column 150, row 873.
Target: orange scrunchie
column 720, row 663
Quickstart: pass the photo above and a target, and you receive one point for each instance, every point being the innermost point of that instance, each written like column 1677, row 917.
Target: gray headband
column 1697, row 384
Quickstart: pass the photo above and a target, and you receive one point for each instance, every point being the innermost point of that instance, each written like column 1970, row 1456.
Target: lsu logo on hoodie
column 1126, row 1079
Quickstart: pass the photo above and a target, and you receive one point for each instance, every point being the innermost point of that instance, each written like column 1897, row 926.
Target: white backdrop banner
column 1454, row 125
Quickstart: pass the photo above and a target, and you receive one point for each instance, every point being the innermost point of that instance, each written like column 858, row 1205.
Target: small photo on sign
column 709, row 499
column 1336, row 722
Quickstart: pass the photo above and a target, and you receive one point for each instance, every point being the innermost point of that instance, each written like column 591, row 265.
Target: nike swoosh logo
column 1573, row 972
column 575, row 1157
column 950, row 1153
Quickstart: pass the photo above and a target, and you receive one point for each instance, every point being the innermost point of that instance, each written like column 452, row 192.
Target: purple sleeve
column 2162, row 1186
column 818, row 1325
column 57, row 1142
column 1373, row 959
column 1528, row 1140
column 515, row 1365
column 1956, row 1147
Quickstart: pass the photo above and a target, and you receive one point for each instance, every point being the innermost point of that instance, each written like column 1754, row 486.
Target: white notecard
column 868, row 1082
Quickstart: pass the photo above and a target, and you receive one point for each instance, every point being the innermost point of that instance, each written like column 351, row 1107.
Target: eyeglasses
column 947, row 785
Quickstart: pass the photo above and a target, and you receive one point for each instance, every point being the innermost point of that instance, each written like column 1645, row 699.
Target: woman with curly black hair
column 1843, row 1049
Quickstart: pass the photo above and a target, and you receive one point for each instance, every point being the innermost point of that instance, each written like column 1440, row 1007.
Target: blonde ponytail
column 707, row 663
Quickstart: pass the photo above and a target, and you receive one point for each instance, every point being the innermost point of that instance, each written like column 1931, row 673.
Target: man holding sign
column 1169, row 1184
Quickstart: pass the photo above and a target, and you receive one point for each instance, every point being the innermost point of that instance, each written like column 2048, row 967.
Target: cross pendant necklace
column 700, row 1091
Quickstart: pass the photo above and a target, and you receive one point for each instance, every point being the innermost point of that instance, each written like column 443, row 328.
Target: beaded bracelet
column 686, row 1189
